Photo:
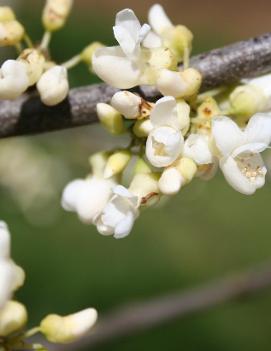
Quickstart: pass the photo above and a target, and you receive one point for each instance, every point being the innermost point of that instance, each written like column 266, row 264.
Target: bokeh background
column 204, row 233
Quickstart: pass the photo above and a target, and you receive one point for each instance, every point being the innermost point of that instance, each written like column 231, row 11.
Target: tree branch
column 224, row 66
column 142, row 316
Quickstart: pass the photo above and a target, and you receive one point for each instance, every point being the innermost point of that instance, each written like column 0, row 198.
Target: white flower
column 119, row 214
column 11, row 276
column 53, row 85
column 87, row 197
column 197, row 148
column 123, row 66
column 240, row 158
column 165, row 142
column 13, row 79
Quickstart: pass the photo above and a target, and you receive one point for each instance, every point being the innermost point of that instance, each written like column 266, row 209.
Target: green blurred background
column 204, row 233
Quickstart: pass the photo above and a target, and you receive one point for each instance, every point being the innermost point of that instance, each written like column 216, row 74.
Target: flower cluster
column 34, row 66
column 13, row 315
column 182, row 135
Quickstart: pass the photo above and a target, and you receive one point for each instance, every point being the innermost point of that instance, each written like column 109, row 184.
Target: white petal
column 158, row 19
column 127, row 104
column 171, row 83
column 170, row 182
column 227, row 135
column 13, row 79
column 81, row 322
column 71, row 194
column 258, row 129
column 197, row 148
column 93, row 199
column 53, row 86
column 164, row 146
column 237, row 179
column 152, row 41
column 114, row 68
column 6, row 281
column 127, row 20
column 165, row 113
column 263, row 83
column 125, row 226
column 4, row 241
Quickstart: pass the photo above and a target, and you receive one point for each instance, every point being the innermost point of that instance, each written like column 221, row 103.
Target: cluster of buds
column 34, row 66
column 14, row 316
column 182, row 135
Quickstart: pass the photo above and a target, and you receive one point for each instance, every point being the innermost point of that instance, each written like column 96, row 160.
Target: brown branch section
column 139, row 317
column 28, row 115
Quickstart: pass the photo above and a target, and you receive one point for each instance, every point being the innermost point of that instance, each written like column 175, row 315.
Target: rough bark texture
column 227, row 65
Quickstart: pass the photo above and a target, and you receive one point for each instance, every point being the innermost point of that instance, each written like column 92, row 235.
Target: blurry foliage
column 206, row 231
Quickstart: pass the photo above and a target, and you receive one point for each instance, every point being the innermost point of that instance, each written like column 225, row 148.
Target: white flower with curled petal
column 13, row 79
column 197, row 147
column 119, row 214
column 240, row 159
column 165, row 142
column 87, row 197
column 11, row 275
column 127, row 59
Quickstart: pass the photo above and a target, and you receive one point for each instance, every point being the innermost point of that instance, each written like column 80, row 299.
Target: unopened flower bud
column 6, row 14
column 13, row 317
column 88, row 52
column 246, row 100
column 117, row 163
column 179, row 84
column 171, row 181
column 145, row 186
column 178, row 39
column 127, row 103
column 110, row 118
column 55, row 14
column 187, row 167
column 11, row 33
column 13, row 79
column 98, row 162
column 35, row 62
column 53, row 86
column 162, row 58
column 63, row 330
column 142, row 166
column 142, row 128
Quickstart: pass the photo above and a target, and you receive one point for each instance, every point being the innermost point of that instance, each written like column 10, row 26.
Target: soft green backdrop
column 205, row 232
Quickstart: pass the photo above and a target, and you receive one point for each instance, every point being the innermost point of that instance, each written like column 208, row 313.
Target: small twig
column 219, row 67
column 146, row 315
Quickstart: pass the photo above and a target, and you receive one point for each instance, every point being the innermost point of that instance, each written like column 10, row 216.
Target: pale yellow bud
column 63, row 330
column 162, row 58
column 13, row 317
column 98, row 162
column 87, row 53
column 110, row 118
column 6, row 14
column 247, row 100
column 178, row 39
column 117, row 163
column 179, row 84
column 35, row 63
column 142, row 128
column 142, row 166
column 145, row 186
column 183, row 116
column 171, row 181
column 187, row 168
column 11, row 33
column 55, row 14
